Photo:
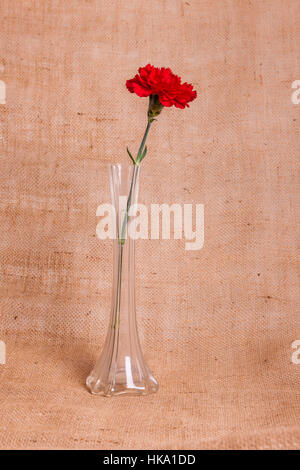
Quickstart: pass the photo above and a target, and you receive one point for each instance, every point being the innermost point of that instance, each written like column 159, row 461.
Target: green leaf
column 143, row 154
column 130, row 155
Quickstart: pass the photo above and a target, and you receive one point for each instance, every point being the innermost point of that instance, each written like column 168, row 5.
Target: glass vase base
column 97, row 387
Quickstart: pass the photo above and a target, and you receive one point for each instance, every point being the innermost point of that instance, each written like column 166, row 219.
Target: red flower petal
column 162, row 82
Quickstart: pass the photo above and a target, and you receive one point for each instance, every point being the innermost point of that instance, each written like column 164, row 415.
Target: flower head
column 163, row 83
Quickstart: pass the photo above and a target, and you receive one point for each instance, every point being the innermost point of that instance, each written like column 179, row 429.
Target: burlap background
column 217, row 324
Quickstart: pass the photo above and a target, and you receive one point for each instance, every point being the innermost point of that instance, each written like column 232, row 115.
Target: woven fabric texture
column 217, row 324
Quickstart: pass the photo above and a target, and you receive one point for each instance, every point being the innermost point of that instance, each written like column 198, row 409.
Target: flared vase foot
column 116, row 387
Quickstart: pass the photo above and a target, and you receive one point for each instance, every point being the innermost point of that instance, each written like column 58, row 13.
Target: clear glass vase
column 121, row 368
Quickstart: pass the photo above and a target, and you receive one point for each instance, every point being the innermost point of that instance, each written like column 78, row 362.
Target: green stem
column 124, row 225
column 140, row 152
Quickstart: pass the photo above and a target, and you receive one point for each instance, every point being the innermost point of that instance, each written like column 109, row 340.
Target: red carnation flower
column 163, row 83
